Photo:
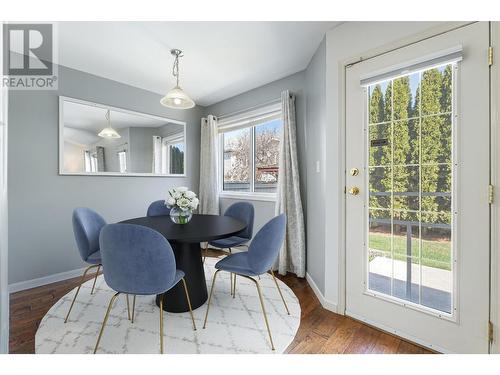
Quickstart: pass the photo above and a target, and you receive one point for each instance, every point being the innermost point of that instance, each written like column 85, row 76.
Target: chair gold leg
column 281, row 294
column 263, row 309
column 128, row 309
column 78, row 290
column 234, row 286
column 189, row 302
column 161, row 324
column 206, row 252
column 105, row 320
column 231, row 280
column 95, row 279
column 133, row 309
column 210, row 297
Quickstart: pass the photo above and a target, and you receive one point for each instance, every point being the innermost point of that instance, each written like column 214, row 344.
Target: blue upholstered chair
column 158, row 208
column 244, row 212
column 138, row 260
column 259, row 259
column 87, row 225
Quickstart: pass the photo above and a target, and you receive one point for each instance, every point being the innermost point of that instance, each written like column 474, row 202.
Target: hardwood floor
column 320, row 331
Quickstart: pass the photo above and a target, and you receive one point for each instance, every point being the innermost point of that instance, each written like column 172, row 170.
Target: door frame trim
column 495, row 181
column 346, row 64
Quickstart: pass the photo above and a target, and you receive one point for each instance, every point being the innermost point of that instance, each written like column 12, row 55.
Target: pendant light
column 109, row 132
column 177, row 98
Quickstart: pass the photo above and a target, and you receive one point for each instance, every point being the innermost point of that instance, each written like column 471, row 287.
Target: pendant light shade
column 109, row 132
column 177, row 98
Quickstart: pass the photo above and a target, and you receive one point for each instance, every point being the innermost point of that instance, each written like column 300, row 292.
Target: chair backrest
column 158, row 208
column 242, row 211
column 136, row 259
column 266, row 245
column 87, row 225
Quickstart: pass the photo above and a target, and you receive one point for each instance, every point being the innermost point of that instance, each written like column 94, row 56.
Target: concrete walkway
column 436, row 286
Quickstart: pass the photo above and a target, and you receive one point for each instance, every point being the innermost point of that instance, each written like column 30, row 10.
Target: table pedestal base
column 188, row 259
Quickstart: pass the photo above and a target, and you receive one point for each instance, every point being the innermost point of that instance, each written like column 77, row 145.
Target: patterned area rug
column 234, row 325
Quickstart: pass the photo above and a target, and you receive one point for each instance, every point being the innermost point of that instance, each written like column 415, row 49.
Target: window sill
column 268, row 197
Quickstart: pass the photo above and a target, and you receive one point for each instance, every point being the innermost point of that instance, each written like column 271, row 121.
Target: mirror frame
column 63, row 99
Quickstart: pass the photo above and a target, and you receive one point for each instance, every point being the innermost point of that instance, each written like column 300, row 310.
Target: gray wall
column 141, row 149
column 41, row 239
column 315, row 146
column 264, row 210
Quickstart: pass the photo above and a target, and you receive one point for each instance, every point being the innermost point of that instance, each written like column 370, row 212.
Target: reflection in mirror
column 100, row 140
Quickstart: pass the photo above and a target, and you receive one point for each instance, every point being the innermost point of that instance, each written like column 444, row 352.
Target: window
column 168, row 154
column 410, row 128
column 250, row 154
column 266, row 158
column 122, row 159
column 90, row 161
column 236, row 166
column 173, row 155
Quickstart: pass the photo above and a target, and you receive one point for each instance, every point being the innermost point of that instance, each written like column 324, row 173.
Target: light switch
column 317, row 166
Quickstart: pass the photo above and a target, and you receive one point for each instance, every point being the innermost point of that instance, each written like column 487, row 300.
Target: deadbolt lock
column 354, row 190
column 354, row 171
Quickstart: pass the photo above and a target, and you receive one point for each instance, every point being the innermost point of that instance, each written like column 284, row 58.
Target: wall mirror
column 95, row 139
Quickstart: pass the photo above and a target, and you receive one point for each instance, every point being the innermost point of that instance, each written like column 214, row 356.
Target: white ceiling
column 221, row 59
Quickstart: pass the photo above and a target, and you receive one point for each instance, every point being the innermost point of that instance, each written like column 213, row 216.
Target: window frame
column 248, row 120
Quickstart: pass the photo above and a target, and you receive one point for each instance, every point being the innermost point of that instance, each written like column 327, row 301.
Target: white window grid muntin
column 454, row 315
column 252, row 172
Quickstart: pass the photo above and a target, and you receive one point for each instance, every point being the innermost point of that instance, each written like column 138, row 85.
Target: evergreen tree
column 380, row 178
column 404, row 177
column 376, row 105
column 431, row 128
column 444, row 181
column 446, row 89
column 176, row 161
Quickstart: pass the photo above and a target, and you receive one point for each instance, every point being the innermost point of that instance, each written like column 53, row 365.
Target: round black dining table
column 185, row 241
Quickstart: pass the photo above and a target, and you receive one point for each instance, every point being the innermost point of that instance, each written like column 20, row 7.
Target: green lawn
column 435, row 254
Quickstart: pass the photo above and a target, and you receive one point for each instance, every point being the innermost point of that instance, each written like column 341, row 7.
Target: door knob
column 354, row 190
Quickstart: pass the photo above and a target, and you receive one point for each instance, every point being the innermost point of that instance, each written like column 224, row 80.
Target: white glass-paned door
column 417, row 211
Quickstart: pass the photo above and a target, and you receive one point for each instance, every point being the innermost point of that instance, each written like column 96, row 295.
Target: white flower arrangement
column 182, row 198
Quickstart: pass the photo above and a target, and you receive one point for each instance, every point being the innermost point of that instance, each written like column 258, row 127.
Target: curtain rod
column 274, row 101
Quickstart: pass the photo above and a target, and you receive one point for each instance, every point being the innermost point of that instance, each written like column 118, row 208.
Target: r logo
column 28, row 49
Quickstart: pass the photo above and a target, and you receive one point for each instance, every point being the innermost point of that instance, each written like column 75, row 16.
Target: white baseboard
column 28, row 284
column 329, row 305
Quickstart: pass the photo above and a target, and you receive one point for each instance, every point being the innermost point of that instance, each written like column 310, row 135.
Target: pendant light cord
column 175, row 69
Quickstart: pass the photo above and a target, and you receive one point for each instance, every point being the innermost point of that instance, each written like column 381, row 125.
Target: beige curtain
column 292, row 256
column 209, row 165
